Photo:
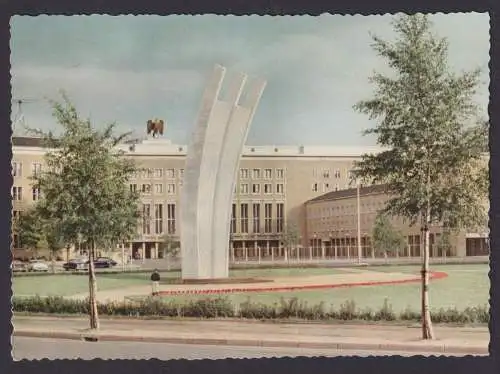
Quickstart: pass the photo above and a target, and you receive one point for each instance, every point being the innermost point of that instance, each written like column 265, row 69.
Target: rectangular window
column 158, row 188
column 158, row 173
column 158, row 218
column 233, row 219
column 171, row 219
column 171, row 189
column 337, row 173
column 280, row 188
column 17, row 169
column 146, row 188
column 256, row 218
column 170, row 173
column 243, row 173
column 181, row 173
column 133, row 187
column 17, row 193
column 280, row 174
column 243, row 188
column 146, row 219
column 147, row 173
column 326, row 187
column 268, row 173
column 244, row 218
column 326, row 173
column 256, row 174
column 315, row 187
column 268, row 188
column 256, row 188
column 280, row 217
column 36, row 193
column 268, row 218
column 36, row 169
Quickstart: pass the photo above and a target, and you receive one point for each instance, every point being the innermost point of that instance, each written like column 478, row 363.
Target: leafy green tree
column 85, row 188
column 170, row 248
column 29, row 230
column 429, row 124
column 385, row 238
column 290, row 238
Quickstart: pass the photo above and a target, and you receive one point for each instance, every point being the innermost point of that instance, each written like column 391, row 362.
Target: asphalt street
column 39, row 348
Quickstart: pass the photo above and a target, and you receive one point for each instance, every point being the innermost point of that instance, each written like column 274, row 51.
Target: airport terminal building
column 277, row 187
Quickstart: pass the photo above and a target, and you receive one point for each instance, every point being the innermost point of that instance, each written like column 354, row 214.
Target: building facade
column 332, row 227
column 273, row 184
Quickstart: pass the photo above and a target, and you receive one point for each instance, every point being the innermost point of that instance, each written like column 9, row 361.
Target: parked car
column 76, row 264
column 104, row 262
column 19, row 266
column 37, row 265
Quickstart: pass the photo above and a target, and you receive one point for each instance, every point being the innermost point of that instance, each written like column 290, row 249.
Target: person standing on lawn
column 155, row 279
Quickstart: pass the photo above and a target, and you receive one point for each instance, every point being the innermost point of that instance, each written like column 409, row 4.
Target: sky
column 128, row 69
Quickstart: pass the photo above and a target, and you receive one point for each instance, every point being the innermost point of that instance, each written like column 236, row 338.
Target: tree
column 170, row 247
column 29, row 229
column 386, row 239
column 84, row 186
column 429, row 125
column 290, row 238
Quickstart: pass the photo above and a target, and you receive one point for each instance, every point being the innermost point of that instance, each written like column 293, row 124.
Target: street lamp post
column 359, row 221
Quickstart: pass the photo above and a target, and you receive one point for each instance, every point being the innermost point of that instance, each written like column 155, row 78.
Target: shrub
column 221, row 307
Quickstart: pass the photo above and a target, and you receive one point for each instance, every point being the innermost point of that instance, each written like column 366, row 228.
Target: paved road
column 38, row 348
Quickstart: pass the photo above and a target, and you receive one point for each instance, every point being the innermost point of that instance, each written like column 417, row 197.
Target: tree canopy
column 385, row 238
column 432, row 130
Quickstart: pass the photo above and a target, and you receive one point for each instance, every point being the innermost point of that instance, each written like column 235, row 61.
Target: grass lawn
column 466, row 285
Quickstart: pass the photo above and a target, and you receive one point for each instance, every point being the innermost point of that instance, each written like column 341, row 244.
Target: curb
column 433, row 276
column 339, row 346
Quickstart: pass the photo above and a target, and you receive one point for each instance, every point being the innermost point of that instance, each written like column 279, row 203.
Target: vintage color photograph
column 242, row 187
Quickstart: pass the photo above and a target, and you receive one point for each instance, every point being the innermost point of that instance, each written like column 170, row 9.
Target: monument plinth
column 210, row 171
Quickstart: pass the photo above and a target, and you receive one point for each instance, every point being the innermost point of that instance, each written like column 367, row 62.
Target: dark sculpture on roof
column 155, row 127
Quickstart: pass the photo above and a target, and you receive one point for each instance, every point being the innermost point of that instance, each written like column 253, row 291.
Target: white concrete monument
column 211, row 168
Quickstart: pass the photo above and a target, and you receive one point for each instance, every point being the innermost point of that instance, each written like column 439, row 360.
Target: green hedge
column 221, row 307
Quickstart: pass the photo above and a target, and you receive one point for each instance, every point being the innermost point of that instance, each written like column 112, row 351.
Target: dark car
column 104, row 262
column 76, row 264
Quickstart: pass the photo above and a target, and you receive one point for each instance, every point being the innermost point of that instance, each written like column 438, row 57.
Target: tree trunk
column 427, row 331
column 53, row 262
column 93, row 315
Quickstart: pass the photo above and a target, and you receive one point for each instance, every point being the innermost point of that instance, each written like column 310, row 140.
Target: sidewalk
column 458, row 340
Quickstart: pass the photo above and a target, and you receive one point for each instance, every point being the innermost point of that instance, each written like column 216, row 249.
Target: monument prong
column 211, row 166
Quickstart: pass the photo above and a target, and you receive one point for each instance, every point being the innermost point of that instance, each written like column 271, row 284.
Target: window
column 256, row 218
column 17, row 193
column 147, row 173
column 133, row 187
column 280, row 188
column 268, row 214
column 36, row 169
column 17, row 169
column 337, row 173
column 268, row 188
column 280, row 221
column 146, row 188
column 171, row 189
column 243, row 173
column 233, row 219
column 244, row 218
column 146, row 219
column 326, row 173
column 280, row 173
column 158, row 173
column 36, row 193
column 170, row 173
column 181, row 173
column 326, row 187
column 243, row 188
column 158, row 218
column 336, row 187
column 256, row 188
column 256, row 174
column 171, row 219
column 158, row 188
column 268, row 173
